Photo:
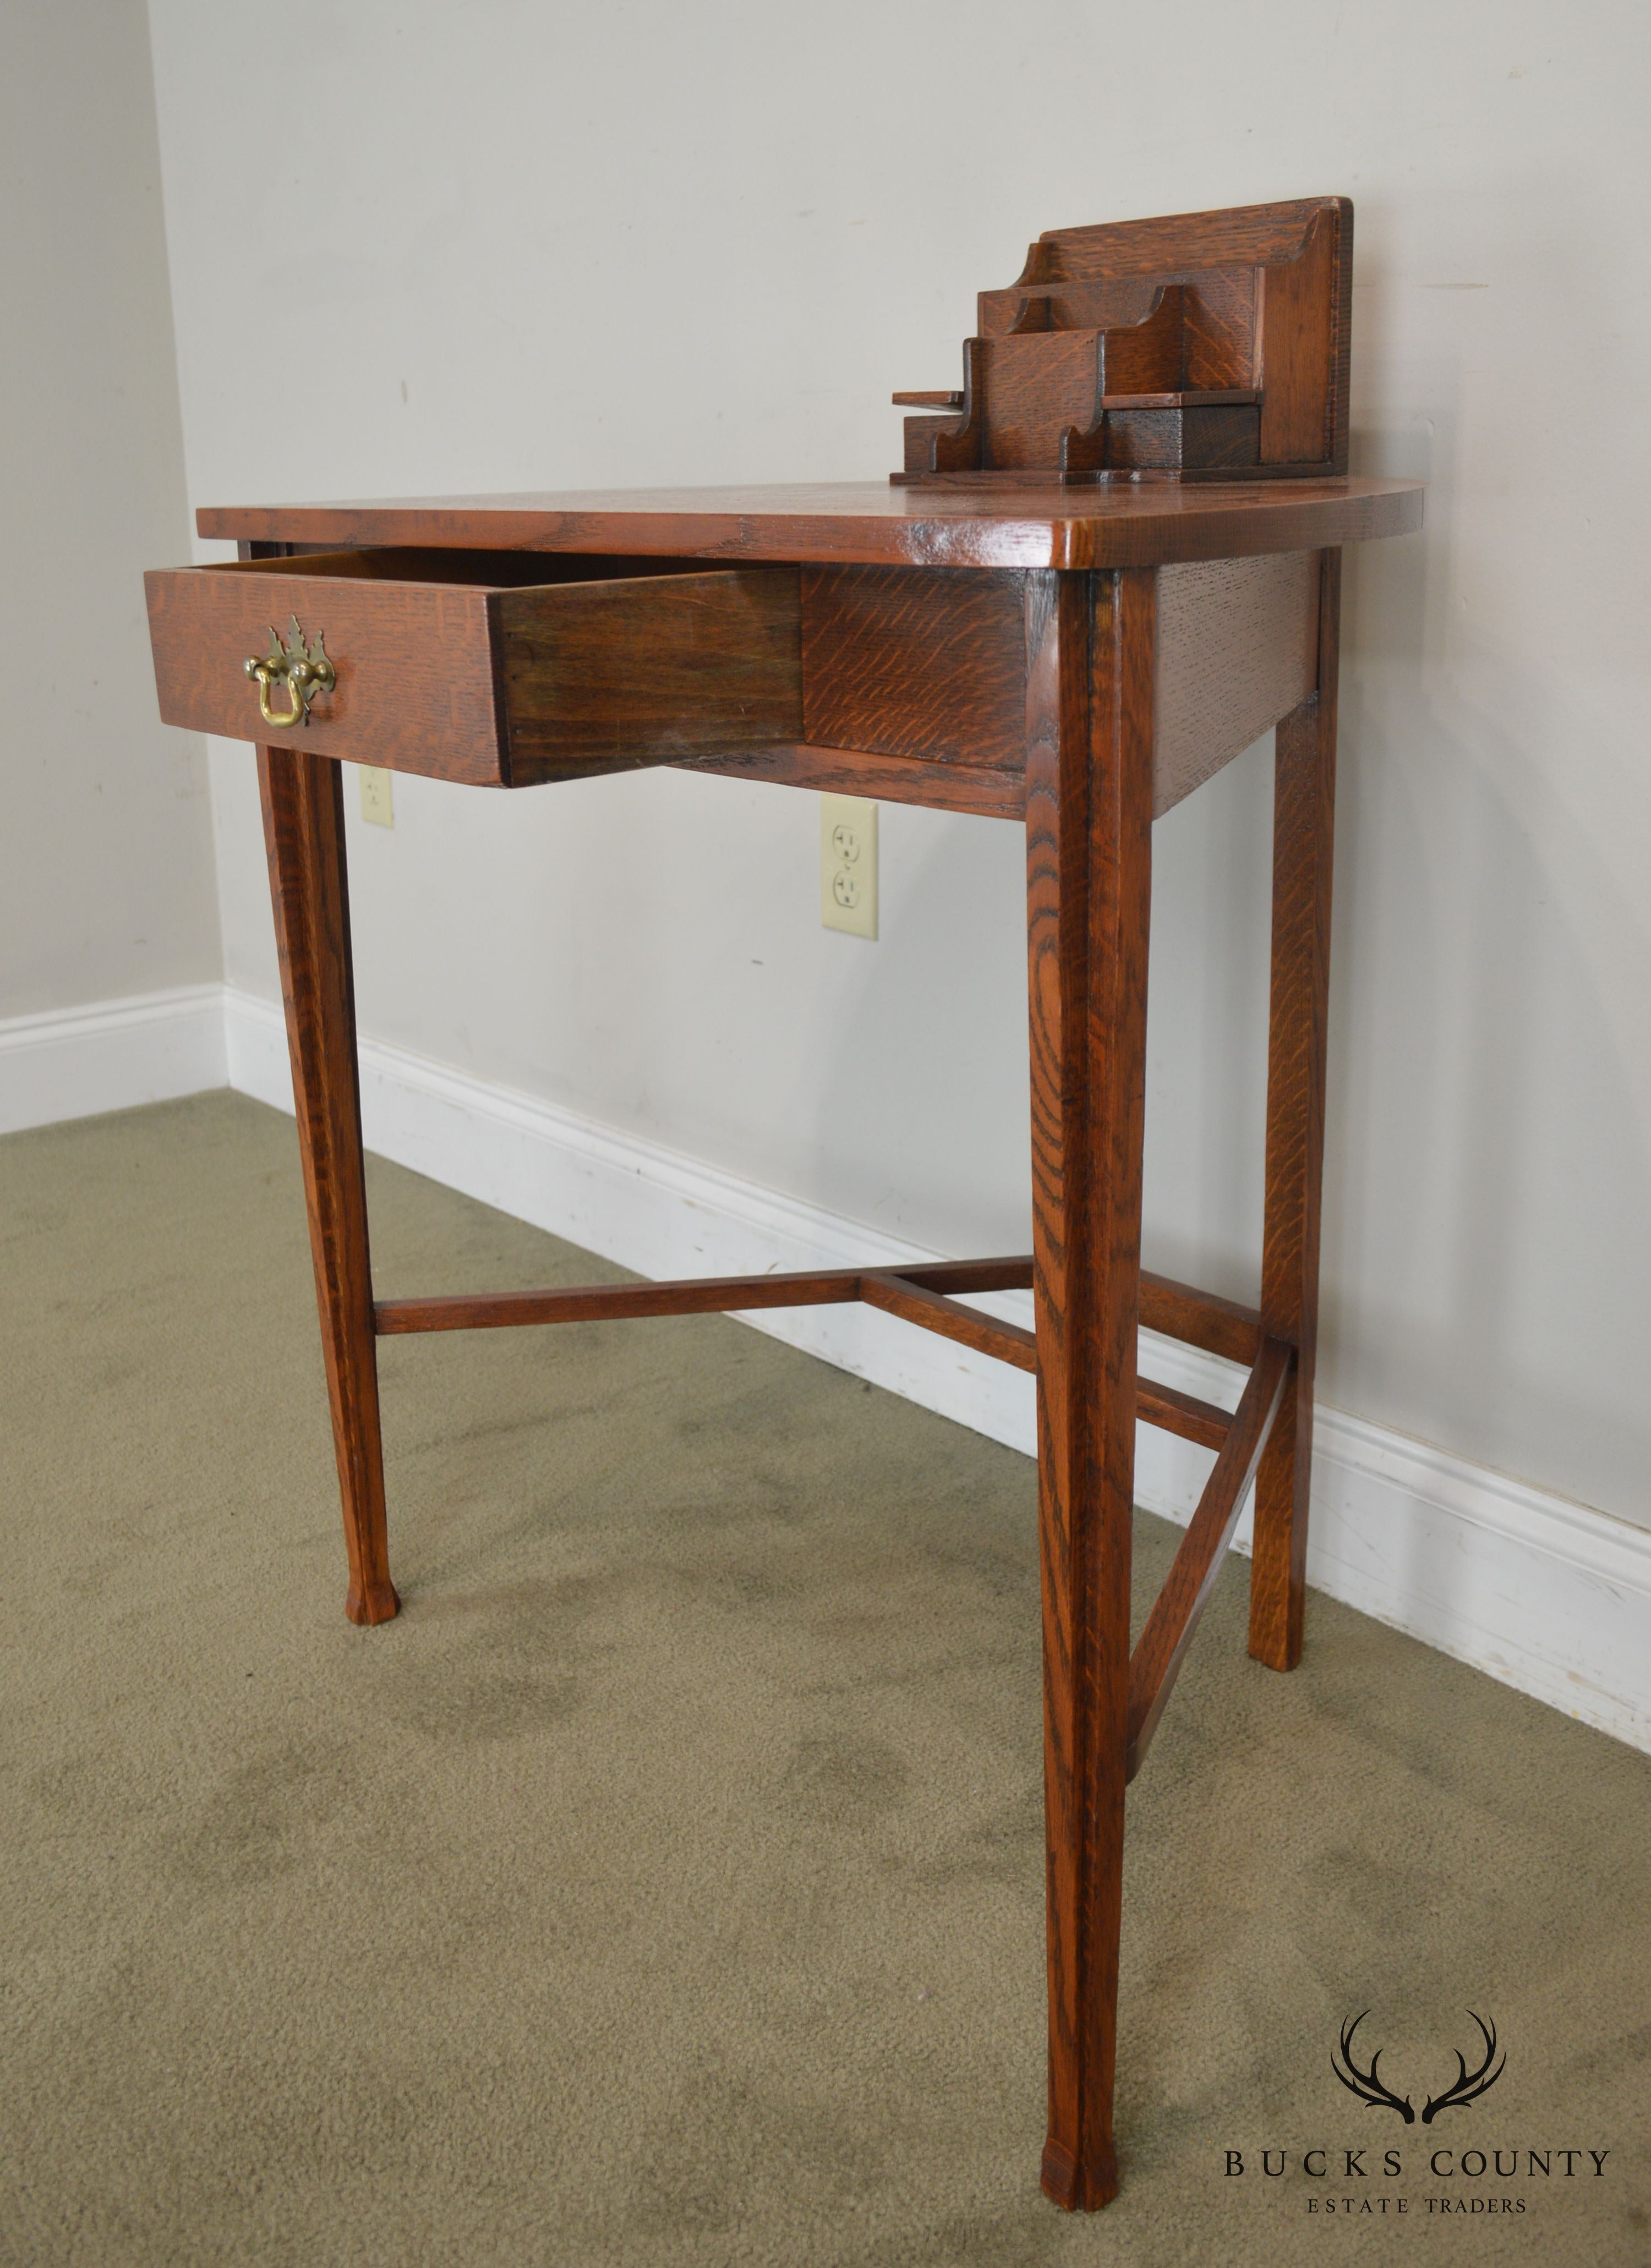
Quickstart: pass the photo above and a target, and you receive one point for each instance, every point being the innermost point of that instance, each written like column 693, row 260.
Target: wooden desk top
column 1120, row 524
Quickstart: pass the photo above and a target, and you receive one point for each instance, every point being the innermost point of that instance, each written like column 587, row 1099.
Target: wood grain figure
column 1110, row 563
column 1211, row 346
column 1303, row 838
column 903, row 663
column 1028, row 523
column 304, row 835
column 1088, row 826
column 1163, row 1642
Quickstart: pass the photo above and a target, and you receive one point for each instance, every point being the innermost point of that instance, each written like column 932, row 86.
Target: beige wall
column 527, row 246
column 106, row 854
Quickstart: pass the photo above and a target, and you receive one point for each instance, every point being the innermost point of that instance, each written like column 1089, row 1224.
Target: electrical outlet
column 375, row 795
column 848, row 864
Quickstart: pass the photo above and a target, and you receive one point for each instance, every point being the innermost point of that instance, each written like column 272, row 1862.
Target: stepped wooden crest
column 1210, row 345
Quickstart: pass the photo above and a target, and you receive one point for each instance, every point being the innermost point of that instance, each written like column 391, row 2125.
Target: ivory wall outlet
column 848, row 864
column 375, row 795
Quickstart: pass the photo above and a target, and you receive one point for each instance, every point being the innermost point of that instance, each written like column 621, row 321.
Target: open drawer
column 501, row 669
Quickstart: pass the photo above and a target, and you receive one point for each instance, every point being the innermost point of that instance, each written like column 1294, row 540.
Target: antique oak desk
column 1109, row 565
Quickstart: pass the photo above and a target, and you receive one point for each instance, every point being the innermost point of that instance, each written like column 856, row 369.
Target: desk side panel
column 1237, row 649
column 916, row 662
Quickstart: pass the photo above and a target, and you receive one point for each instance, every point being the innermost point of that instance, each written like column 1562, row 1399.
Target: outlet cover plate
column 848, row 864
column 375, row 795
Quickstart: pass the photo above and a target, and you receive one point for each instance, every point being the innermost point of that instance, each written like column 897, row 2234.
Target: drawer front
column 465, row 680
column 413, row 662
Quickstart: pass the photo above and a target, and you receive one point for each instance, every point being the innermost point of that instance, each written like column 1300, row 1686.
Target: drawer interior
column 487, row 570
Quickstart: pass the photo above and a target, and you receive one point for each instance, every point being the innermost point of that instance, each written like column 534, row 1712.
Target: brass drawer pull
column 302, row 668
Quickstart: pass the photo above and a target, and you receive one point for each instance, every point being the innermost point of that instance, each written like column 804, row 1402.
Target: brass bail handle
column 301, row 665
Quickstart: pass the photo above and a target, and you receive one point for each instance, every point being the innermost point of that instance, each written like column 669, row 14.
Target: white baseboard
column 1548, row 1596
column 110, row 1055
column 1551, row 1597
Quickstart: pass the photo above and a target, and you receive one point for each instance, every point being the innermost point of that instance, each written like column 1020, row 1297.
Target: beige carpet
column 665, row 1885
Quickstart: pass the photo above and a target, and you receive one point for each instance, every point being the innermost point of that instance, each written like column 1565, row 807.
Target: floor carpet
column 664, row 1886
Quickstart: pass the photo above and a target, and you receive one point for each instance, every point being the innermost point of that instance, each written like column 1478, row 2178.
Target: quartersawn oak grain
column 1201, row 1318
column 914, row 663
column 1303, row 837
column 460, row 666
column 1237, row 649
column 1088, row 828
column 698, row 1295
column 906, row 662
column 1138, row 666
column 1163, row 1642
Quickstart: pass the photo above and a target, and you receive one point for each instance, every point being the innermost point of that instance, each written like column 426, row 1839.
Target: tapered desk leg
column 1088, row 819
column 304, row 832
column 1304, row 808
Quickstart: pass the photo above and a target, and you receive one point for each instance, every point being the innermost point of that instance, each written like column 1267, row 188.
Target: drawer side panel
column 599, row 676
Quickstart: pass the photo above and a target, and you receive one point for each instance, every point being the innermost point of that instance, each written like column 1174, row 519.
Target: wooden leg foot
column 1080, row 2188
column 378, row 1604
column 1277, row 1589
